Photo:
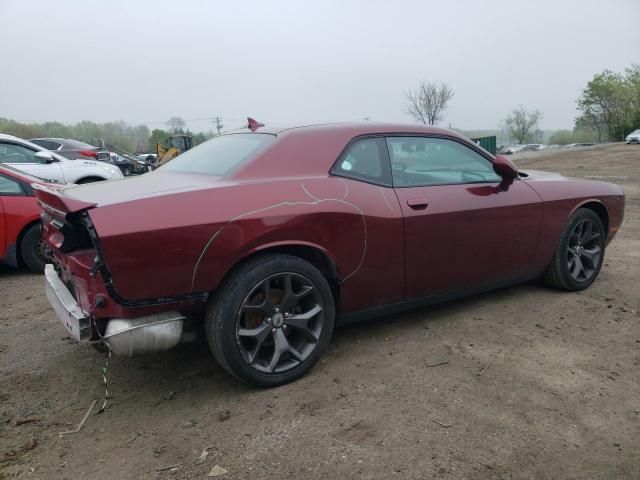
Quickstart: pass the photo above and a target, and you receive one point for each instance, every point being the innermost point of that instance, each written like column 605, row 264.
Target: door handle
column 418, row 203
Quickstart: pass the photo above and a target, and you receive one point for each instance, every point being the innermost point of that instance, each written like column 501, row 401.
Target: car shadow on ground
column 190, row 371
column 7, row 271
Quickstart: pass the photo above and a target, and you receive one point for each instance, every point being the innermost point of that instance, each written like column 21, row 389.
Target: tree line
column 134, row 139
column 609, row 109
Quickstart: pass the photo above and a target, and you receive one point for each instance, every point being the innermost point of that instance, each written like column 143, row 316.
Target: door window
column 366, row 160
column 12, row 153
column 422, row 161
column 9, row 186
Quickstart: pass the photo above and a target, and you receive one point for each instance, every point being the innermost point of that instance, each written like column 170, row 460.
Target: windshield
column 219, row 155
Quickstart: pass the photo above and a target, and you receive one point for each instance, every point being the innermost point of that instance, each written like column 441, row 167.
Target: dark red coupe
column 272, row 237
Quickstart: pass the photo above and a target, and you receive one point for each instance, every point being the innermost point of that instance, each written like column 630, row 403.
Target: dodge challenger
column 268, row 238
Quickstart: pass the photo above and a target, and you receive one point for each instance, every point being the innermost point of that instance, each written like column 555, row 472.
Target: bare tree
column 428, row 102
column 521, row 123
column 176, row 124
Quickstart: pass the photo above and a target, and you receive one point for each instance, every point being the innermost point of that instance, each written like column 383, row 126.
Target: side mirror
column 45, row 157
column 506, row 169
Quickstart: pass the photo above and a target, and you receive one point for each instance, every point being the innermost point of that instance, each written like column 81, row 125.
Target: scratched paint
column 314, row 201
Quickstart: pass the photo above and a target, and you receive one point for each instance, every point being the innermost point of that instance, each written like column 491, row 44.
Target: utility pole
column 219, row 125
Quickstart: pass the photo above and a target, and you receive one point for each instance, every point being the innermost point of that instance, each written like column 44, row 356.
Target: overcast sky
column 289, row 62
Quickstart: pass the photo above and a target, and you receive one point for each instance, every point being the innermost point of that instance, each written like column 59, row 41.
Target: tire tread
column 555, row 275
column 236, row 281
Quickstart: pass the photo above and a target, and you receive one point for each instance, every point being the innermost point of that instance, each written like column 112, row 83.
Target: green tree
column 610, row 103
column 202, row 137
column 565, row 137
column 633, row 79
column 158, row 136
column 522, row 124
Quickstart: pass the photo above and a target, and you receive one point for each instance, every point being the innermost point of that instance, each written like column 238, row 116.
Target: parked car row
column 23, row 163
column 531, row 147
column 583, row 144
column 76, row 150
column 47, row 161
column 51, row 166
column 536, row 147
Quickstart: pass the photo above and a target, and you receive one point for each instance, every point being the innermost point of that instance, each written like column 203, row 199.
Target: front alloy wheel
column 584, row 250
column 580, row 252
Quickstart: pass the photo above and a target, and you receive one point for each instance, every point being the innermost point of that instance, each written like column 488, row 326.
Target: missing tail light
column 75, row 233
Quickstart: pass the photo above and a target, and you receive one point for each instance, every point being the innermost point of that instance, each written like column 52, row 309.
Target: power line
column 219, row 125
column 193, row 120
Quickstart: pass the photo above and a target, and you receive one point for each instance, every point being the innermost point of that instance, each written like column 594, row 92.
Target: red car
column 20, row 239
column 271, row 237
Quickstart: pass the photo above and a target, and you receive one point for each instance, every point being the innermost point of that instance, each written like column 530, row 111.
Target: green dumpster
column 488, row 143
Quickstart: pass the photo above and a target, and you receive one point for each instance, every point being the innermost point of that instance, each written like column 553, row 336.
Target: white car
column 633, row 137
column 42, row 163
column 512, row 149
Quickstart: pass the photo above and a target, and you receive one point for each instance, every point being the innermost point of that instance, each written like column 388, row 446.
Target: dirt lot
column 538, row 384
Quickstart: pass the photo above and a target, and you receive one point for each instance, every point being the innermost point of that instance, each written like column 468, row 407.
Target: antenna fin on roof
column 254, row 124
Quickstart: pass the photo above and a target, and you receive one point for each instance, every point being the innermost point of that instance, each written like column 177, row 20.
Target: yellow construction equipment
column 173, row 147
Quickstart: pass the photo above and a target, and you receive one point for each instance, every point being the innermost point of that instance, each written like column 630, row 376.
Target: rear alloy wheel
column 33, row 250
column 271, row 321
column 580, row 254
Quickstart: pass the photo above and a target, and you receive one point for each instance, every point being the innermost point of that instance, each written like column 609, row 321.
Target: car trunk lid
column 149, row 185
column 56, row 204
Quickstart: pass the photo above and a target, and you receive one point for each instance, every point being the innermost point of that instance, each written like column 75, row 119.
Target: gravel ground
column 521, row 383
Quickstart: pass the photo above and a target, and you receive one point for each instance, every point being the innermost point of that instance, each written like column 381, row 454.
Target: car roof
column 4, row 136
column 66, row 141
column 355, row 128
column 12, row 138
column 310, row 150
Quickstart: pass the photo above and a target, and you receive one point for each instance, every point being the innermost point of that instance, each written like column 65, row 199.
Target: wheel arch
column 312, row 253
column 599, row 209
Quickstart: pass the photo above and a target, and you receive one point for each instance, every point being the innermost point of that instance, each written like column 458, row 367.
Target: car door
column 22, row 158
column 11, row 196
column 462, row 230
column 365, row 185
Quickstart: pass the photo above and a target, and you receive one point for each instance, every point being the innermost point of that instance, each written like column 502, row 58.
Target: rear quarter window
column 220, row 155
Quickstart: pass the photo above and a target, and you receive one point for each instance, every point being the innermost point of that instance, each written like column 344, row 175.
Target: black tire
column 32, row 250
column 561, row 272
column 229, row 307
column 83, row 181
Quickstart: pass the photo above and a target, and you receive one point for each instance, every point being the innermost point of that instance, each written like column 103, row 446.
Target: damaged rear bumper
column 75, row 320
column 126, row 337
